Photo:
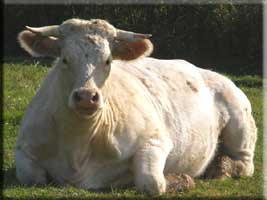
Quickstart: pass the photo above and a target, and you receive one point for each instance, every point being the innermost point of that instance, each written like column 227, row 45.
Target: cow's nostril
column 95, row 97
column 77, row 97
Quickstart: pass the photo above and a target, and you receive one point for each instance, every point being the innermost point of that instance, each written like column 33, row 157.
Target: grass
column 21, row 80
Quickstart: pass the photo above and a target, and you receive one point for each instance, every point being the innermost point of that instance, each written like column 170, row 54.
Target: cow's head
column 85, row 50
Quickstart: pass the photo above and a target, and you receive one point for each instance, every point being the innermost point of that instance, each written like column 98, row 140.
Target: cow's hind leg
column 235, row 156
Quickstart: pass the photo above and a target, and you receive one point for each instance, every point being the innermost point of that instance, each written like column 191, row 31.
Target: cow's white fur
column 157, row 117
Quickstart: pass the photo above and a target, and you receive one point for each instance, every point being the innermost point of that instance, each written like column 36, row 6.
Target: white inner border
column 265, row 97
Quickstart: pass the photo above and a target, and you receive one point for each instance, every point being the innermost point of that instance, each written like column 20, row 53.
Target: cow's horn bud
column 45, row 30
column 131, row 36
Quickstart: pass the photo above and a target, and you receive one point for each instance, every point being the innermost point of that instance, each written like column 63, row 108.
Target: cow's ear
column 125, row 50
column 38, row 45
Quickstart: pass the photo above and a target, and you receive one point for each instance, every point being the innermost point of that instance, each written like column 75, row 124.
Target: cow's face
column 86, row 50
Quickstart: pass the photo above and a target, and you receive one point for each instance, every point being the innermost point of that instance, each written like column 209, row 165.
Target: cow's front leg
column 27, row 171
column 148, row 166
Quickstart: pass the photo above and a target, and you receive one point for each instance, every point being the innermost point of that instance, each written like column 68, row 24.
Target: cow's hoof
column 222, row 167
column 179, row 182
column 238, row 169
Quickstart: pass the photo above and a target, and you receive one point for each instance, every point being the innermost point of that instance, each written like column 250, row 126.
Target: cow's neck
column 107, row 123
column 102, row 129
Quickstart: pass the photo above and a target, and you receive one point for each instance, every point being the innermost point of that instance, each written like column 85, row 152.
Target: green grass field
column 20, row 84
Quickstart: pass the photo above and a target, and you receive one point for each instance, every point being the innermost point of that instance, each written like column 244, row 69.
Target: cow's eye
column 64, row 60
column 109, row 60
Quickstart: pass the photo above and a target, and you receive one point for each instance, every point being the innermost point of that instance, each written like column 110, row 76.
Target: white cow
column 106, row 115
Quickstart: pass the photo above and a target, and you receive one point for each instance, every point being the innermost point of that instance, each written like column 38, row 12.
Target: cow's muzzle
column 86, row 101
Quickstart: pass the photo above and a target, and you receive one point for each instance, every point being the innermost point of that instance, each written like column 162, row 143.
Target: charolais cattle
column 107, row 115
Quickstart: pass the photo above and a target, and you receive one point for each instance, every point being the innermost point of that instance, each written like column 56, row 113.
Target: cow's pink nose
column 86, row 98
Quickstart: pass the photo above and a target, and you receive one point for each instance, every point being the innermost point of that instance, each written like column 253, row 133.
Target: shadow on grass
column 11, row 181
